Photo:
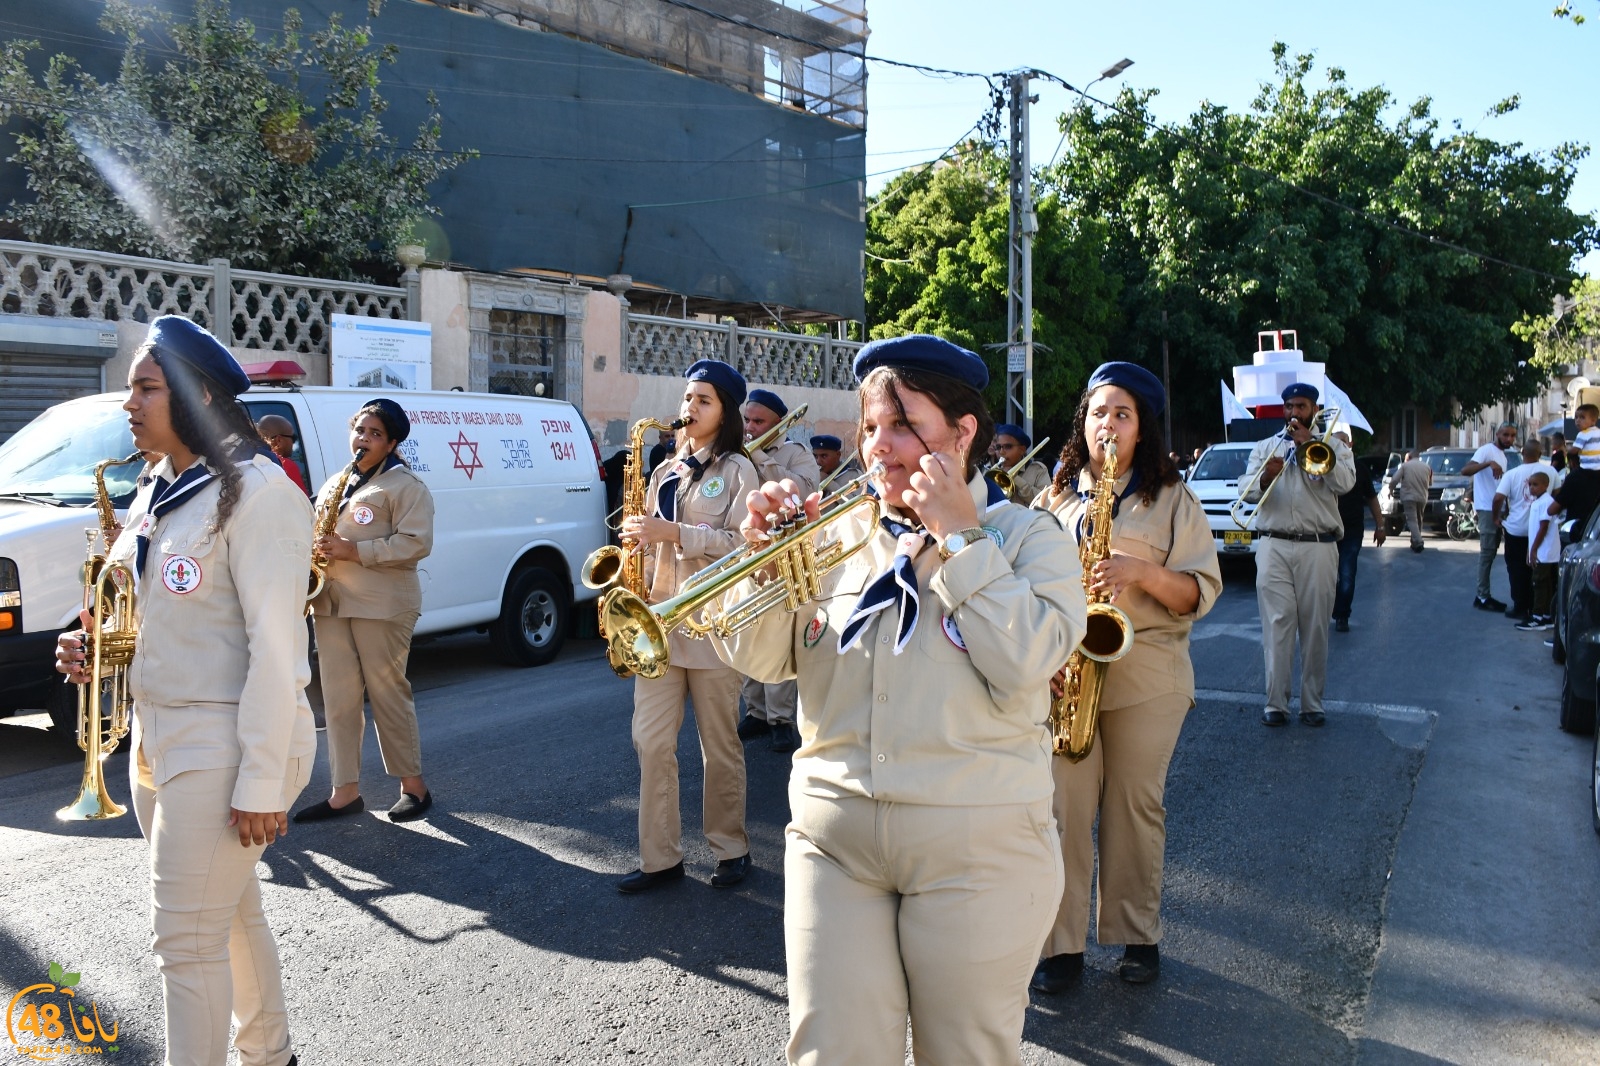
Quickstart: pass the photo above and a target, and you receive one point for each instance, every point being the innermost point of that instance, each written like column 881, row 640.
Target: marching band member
column 922, row 866
column 770, row 708
column 220, row 540
column 1163, row 573
column 1011, row 444
column 695, row 522
column 828, row 451
column 367, row 612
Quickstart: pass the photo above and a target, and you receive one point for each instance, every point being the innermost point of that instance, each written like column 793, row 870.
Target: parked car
column 1449, row 485
column 1214, row 477
column 518, row 498
column 1576, row 636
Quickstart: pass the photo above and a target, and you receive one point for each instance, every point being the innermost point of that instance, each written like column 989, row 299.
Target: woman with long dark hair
column 1162, row 572
column 695, row 503
column 367, row 611
column 921, row 867
column 223, row 739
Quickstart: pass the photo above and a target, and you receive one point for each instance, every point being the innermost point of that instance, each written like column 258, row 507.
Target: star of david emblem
column 471, row 462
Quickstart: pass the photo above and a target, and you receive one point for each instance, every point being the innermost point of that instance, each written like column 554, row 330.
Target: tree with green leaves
column 1570, row 333
column 207, row 144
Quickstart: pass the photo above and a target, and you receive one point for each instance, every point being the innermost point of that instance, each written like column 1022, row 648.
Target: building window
column 526, row 349
column 1403, row 430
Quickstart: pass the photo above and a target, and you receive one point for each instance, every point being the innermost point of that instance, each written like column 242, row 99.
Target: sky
column 1465, row 55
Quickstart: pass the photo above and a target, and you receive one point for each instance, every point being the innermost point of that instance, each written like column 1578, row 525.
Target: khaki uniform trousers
column 910, row 910
column 1295, row 584
column 367, row 656
column 1124, row 778
column 1414, row 510
column 770, row 703
column 657, row 717
column 212, row 944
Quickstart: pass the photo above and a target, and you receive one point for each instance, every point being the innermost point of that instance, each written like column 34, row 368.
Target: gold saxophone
column 609, row 565
column 327, row 519
column 1108, row 635
column 104, row 704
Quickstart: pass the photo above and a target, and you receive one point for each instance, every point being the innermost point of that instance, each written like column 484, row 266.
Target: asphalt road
column 1415, row 883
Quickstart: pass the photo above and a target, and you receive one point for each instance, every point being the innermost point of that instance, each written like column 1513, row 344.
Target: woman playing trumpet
column 693, row 521
column 1163, row 573
column 921, row 865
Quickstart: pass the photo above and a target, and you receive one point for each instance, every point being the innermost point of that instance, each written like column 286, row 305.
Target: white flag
column 1231, row 407
column 1349, row 413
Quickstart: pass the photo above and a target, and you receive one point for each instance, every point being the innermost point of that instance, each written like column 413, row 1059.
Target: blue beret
column 1133, row 377
column 1301, row 391
column 393, row 417
column 181, row 339
column 769, row 400
column 827, row 442
column 715, row 372
column 1011, row 429
column 919, row 351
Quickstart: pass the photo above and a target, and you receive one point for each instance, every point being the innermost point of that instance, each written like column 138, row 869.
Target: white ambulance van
column 518, row 497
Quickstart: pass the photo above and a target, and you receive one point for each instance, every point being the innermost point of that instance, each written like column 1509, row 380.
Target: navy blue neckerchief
column 898, row 583
column 361, row 477
column 167, row 496
column 1116, row 504
column 667, row 491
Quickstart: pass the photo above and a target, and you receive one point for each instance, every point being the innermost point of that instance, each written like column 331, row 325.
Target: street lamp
column 1110, row 72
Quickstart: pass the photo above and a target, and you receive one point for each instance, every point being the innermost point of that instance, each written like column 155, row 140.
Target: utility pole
column 1166, row 377
column 1019, row 262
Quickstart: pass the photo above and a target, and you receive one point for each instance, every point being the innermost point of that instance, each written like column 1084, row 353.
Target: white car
column 519, row 503
column 1214, row 477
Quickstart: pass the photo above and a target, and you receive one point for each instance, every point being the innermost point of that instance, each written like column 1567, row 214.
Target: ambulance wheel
column 61, row 701
column 533, row 619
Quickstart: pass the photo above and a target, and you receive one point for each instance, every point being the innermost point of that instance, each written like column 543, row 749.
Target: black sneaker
column 1535, row 624
column 1488, row 603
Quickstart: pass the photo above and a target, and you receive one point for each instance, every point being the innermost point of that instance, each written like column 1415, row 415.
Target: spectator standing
column 1487, row 467
column 1544, row 550
column 1580, row 492
column 1511, row 500
column 278, row 432
column 1558, row 452
column 1353, row 509
column 1415, row 477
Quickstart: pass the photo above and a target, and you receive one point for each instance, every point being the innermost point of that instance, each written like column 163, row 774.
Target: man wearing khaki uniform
column 1297, row 558
column 770, row 708
column 1414, row 476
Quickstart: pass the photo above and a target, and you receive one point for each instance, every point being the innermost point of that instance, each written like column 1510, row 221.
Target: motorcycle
column 1462, row 521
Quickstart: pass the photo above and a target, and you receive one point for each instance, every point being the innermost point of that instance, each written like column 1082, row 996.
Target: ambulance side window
column 261, row 408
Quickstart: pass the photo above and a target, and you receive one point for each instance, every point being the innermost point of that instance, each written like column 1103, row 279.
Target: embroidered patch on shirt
column 361, row 514
column 713, row 488
column 815, row 630
column 181, row 574
column 952, row 633
column 995, row 535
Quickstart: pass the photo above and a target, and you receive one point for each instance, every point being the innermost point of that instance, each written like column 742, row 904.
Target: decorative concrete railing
column 273, row 312
column 668, row 346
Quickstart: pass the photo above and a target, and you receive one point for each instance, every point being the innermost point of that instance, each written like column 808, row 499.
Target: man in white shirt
column 1511, row 502
column 1487, row 467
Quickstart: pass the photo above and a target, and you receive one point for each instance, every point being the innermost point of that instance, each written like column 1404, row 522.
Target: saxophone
column 1109, row 633
column 610, row 566
column 327, row 519
column 104, row 704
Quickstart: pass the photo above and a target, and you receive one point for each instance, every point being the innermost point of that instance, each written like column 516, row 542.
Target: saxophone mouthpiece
column 678, row 423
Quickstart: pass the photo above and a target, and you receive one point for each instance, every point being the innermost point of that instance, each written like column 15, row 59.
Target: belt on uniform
column 1304, row 538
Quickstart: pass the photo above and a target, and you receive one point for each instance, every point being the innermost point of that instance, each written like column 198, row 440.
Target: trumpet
column 1315, row 457
column 1006, row 480
column 777, row 432
column 802, row 553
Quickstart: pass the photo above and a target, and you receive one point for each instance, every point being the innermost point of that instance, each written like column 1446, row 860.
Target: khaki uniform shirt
column 958, row 717
column 1301, row 504
column 390, row 519
column 787, row 460
column 1170, row 532
column 219, row 677
column 1414, row 477
column 708, row 515
column 1032, row 480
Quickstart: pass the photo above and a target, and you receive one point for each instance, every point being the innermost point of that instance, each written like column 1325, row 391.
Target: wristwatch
column 960, row 539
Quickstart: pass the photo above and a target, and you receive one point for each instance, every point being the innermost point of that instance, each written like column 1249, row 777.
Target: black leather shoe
column 1057, row 974
column 639, row 881
column 322, row 811
column 1314, row 719
column 1341, row 625
column 294, row 1060
column 784, row 739
column 1272, row 717
column 410, row 808
column 750, row 728
column 730, row 872
column 1141, row 964
column 1488, row 604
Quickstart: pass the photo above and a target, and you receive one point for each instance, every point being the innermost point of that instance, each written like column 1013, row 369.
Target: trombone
column 1315, row 457
column 841, row 468
column 636, row 632
column 777, row 431
column 1006, row 479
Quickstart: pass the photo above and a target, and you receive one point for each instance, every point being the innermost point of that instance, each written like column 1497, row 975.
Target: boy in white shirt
column 1587, row 442
column 1544, row 549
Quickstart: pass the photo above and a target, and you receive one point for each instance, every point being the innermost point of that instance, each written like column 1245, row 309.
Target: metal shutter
column 31, row 383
